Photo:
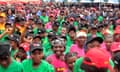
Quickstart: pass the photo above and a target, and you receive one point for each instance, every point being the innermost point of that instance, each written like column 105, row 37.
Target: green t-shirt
column 60, row 26
column 3, row 39
column 79, row 62
column 35, row 30
column 100, row 18
column 76, row 24
column 69, row 42
column 44, row 19
column 111, row 28
column 13, row 52
column 46, row 47
column 13, row 67
column 43, row 66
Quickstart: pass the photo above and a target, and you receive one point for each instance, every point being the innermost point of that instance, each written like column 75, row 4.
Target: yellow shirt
column 21, row 29
column 3, row 15
column 2, row 26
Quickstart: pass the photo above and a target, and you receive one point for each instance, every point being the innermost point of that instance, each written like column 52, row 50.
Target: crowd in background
column 59, row 38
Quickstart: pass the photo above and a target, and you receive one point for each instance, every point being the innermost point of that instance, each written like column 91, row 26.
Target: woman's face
column 81, row 40
column 58, row 49
column 96, row 44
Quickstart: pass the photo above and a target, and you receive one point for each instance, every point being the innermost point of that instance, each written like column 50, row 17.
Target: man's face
column 64, row 31
column 108, row 42
column 72, row 34
column 4, row 61
column 96, row 44
column 37, row 55
column 13, row 44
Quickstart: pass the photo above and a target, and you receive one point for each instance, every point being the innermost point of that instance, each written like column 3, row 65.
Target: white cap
column 80, row 34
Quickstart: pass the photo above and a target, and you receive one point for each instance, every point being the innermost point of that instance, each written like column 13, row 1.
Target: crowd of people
column 52, row 38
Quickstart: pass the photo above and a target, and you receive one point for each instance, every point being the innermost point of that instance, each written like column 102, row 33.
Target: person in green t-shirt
column 7, row 64
column 14, row 40
column 36, row 64
column 43, row 17
column 70, row 37
column 5, row 33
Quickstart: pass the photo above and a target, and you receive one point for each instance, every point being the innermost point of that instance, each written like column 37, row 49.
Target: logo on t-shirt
column 60, row 69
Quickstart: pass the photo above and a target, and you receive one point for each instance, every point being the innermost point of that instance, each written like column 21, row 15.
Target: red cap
column 117, row 30
column 98, row 58
column 118, row 21
column 25, row 46
column 115, row 46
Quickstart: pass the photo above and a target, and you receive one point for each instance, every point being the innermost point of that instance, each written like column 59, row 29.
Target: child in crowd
column 70, row 59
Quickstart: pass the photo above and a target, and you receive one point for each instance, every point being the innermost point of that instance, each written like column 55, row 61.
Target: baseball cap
column 5, row 49
column 8, row 24
column 42, row 30
column 37, row 36
column 52, row 35
column 115, row 47
column 58, row 42
column 55, row 24
column 97, row 58
column 35, row 46
column 99, row 39
column 93, row 27
column 81, row 33
column 14, row 37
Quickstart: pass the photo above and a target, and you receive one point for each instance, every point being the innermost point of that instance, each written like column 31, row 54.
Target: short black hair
column 71, row 28
column 68, row 55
